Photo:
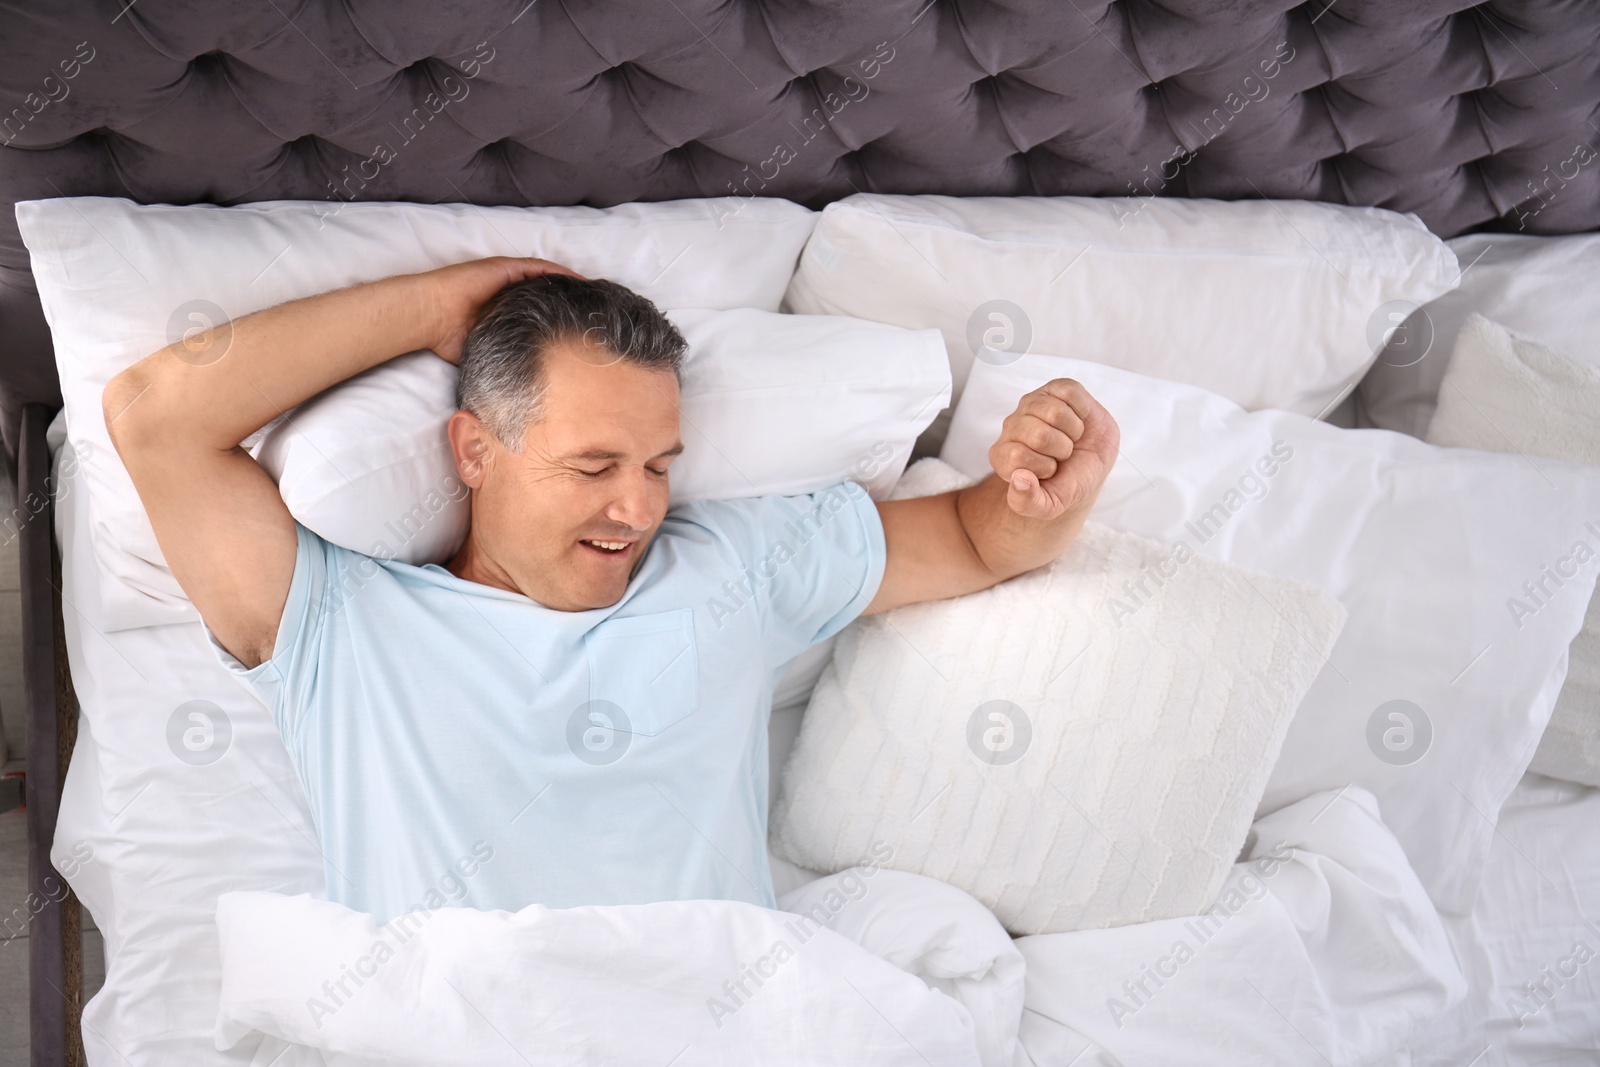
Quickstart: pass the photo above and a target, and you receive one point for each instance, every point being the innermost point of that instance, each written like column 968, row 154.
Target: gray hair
column 501, row 379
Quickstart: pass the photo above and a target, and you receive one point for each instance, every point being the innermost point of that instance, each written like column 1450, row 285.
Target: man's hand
column 1052, row 457
column 461, row 289
column 1055, row 450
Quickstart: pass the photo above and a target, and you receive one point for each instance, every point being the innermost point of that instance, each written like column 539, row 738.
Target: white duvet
column 685, row 982
column 1334, row 956
column 1323, row 948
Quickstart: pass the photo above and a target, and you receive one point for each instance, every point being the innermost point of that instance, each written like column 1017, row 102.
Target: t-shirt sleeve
column 812, row 561
column 284, row 682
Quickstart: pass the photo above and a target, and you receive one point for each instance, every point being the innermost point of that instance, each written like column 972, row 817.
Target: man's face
column 592, row 472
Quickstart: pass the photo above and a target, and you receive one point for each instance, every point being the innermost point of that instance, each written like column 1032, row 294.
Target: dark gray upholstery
column 1470, row 116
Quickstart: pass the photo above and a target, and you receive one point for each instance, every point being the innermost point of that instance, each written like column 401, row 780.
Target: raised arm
column 177, row 418
column 1051, row 459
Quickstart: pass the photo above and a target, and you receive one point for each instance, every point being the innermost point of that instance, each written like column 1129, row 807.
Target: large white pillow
column 1270, row 304
column 1436, row 694
column 1073, row 755
column 1543, row 288
column 119, row 280
column 771, row 404
column 1503, row 393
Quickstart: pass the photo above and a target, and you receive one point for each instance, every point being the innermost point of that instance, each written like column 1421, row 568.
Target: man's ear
column 473, row 445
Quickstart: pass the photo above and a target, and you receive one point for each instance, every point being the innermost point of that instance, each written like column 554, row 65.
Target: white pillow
column 1267, row 303
column 1541, row 287
column 1503, row 393
column 119, row 280
column 1073, row 755
column 1423, row 545
column 771, row 404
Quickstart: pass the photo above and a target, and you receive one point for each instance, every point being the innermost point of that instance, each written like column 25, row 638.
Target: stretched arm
column 177, row 418
column 1051, row 459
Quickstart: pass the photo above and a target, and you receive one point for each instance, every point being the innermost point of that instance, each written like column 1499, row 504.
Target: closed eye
column 659, row 473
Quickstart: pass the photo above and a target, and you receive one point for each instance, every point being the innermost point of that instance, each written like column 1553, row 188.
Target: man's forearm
column 1007, row 543
column 224, row 385
column 1055, row 452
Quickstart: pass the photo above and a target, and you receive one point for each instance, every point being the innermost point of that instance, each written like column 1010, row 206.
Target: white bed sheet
column 1537, row 921
column 152, row 857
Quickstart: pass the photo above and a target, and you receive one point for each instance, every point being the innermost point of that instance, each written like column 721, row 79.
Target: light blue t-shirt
column 465, row 746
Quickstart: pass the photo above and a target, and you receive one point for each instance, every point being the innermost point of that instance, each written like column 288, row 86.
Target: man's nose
column 637, row 500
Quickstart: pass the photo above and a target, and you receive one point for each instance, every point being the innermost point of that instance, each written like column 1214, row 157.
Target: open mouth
column 607, row 548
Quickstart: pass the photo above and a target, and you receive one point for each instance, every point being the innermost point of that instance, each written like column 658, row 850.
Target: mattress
column 161, row 834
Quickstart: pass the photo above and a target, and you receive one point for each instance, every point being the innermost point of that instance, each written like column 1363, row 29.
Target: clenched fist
column 1055, row 450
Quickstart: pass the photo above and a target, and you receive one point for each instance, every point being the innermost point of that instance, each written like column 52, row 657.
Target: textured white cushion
column 771, row 404
column 1541, row 287
column 1267, row 303
column 1073, row 751
column 1422, row 544
column 1503, row 393
column 119, row 280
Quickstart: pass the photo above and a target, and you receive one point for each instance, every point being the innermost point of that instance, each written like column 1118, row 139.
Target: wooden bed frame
column 1466, row 115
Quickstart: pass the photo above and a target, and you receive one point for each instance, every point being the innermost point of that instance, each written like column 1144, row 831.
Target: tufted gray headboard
column 1472, row 116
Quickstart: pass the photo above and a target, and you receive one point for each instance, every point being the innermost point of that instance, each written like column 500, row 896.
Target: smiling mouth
column 607, row 548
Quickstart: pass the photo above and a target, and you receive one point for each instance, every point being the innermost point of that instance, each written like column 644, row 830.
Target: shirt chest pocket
column 648, row 666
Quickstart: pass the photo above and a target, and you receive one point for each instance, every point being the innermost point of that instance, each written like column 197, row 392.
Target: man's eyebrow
column 601, row 453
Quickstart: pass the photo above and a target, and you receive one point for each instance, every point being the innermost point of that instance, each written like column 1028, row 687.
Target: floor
column 14, row 836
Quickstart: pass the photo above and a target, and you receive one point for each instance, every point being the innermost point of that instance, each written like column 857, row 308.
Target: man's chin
column 602, row 597
column 597, row 591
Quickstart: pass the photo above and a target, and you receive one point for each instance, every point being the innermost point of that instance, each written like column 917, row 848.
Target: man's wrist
column 415, row 300
column 1009, row 544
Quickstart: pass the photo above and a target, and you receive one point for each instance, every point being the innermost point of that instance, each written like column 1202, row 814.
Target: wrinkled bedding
column 1323, row 941
column 207, row 884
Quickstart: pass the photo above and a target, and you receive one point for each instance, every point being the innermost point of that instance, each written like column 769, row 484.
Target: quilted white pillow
column 119, row 280
column 1504, row 393
column 1269, row 303
column 1080, row 747
column 771, row 404
column 1436, row 693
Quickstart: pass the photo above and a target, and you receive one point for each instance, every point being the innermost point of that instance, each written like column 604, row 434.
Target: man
column 554, row 716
